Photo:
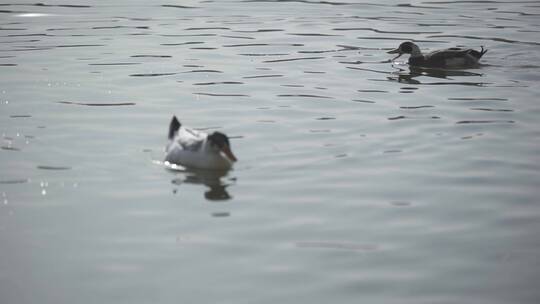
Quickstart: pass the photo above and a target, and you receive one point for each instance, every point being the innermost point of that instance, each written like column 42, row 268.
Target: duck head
column 406, row 48
column 220, row 142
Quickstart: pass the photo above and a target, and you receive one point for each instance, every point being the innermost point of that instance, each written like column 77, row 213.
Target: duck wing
column 189, row 139
column 451, row 58
column 450, row 53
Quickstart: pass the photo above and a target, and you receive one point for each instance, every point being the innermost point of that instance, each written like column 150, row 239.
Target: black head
column 219, row 139
column 406, row 47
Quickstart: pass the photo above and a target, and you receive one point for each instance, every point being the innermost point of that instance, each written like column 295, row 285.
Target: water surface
column 359, row 180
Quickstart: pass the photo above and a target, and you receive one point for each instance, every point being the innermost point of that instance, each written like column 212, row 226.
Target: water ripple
column 313, row 35
column 151, row 74
column 305, row 96
column 492, row 110
column 207, row 28
column 57, row 5
column 151, row 56
column 178, row 6
column 363, row 101
column 383, row 32
column 203, row 71
column 14, row 181
column 119, row 27
column 497, row 39
column 114, row 63
column 415, row 107
column 324, row 116
column 220, row 95
column 301, row 1
column 265, row 54
column 485, row 122
column 293, row 59
column 217, row 83
column 182, row 43
column 78, row 45
column 260, row 31
column 372, row 91
column 246, row 45
column 96, row 104
column 400, row 117
column 10, row 148
column 238, row 37
column 54, row 168
column 263, row 76
column 478, row 98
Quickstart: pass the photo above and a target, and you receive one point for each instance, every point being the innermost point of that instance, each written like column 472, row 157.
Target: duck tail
column 478, row 54
column 482, row 51
column 173, row 127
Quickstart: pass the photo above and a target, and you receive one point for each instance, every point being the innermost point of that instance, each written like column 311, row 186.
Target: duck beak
column 396, row 51
column 229, row 153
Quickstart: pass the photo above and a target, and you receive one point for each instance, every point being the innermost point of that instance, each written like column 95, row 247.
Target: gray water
column 359, row 180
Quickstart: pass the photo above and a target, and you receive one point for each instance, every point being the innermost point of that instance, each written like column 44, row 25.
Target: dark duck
column 447, row 58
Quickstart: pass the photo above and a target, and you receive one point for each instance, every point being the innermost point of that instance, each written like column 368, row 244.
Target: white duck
column 195, row 149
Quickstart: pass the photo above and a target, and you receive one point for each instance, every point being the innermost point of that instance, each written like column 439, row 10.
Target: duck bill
column 396, row 51
column 227, row 151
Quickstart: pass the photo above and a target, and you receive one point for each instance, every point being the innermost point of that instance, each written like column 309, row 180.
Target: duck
column 447, row 58
column 196, row 149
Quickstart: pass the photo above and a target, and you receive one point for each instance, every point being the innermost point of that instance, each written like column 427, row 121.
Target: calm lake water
column 359, row 180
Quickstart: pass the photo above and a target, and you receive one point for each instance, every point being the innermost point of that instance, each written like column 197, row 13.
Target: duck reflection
column 215, row 180
column 408, row 77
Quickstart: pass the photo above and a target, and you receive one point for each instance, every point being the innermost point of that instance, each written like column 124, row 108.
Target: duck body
column 447, row 58
column 196, row 149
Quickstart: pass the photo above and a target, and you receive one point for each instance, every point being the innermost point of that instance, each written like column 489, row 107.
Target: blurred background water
column 359, row 181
